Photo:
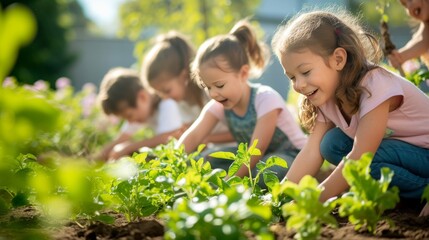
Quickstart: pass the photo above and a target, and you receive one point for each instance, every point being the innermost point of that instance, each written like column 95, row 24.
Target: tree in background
column 199, row 19
column 47, row 57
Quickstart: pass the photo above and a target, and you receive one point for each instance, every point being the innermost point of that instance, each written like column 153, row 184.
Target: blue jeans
column 409, row 163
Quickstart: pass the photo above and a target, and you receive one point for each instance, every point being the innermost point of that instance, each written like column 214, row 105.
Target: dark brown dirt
column 26, row 223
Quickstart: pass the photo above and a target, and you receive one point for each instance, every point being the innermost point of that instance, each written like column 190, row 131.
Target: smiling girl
column 351, row 105
column 166, row 71
column 223, row 66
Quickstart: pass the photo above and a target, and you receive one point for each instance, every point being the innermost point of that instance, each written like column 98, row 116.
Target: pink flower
column 9, row 82
column 89, row 88
column 40, row 85
column 88, row 104
column 62, row 83
column 411, row 66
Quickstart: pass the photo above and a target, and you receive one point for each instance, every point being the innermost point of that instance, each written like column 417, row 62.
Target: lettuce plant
column 306, row 214
column 226, row 216
column 368, row 198
column 160, row 176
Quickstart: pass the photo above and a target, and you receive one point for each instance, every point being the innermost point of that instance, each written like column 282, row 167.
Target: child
column 166, row 71
column 122, row 94
column 352, row 106
column 223, row 66
column 418, row 46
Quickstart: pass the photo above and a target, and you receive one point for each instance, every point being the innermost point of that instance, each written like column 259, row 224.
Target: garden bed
column 26, row 221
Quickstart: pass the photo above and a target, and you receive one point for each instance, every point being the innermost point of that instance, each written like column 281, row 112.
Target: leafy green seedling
column 306, row 213
column 243, row 157
column 227, row 216
column 368, row 198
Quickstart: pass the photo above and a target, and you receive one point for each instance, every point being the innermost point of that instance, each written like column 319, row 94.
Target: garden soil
column 26, row 223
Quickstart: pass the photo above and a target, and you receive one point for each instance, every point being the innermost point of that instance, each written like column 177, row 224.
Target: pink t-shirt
column 409, row 123
column 267, row 100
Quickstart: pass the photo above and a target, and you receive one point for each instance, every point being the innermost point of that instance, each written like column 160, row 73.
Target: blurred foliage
column 201, row 19
column 47, row 57
column 23, row 114
column 370, row 12
column 84, row 128
column 17, row 28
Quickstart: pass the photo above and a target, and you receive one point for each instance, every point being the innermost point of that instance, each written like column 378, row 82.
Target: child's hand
column 395, row 59
column 425, row 210
column 103, row 155
column 119, row 150
column 176, row 133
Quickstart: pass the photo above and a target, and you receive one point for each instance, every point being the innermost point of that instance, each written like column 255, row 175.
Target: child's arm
column 425, row 210
column 417, row 46
column 107, row 149
column 196, row 133
column 368, row 137
column 129, row 148
column 263, row 131
column 309, row 160
column 223, row 137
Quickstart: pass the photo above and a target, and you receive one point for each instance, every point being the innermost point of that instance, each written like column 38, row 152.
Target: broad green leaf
column 276, row 161
column 262, row 211
column 105, row 218
column 223, row 155
column 201, row 148
column 270, row 179
column 233, row 168
column 141, row 157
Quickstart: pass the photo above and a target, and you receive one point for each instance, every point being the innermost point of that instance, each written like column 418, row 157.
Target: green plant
column 46, row 57
column 418, row 76
column 226, row 216
column 306, row 213
column 425, row 194
column 18, row 28
column 15, row 191
column 368, row 198
column 161, row 175
column 243, row 157
column 82, row 129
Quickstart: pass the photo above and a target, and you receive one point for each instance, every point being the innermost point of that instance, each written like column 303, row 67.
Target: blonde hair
column 238, row 48
column 322, row 32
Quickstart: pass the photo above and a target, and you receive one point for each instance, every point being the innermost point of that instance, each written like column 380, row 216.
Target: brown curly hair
column 322, row 32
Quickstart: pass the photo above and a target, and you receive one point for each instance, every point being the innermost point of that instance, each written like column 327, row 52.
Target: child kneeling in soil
column 123, row 95
column 352, row 105
column 223, row 66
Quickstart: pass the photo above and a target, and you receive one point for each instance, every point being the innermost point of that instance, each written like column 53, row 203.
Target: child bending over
column 166, row 71
column 222, row 66
column 122, row 94
column 352, row 105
